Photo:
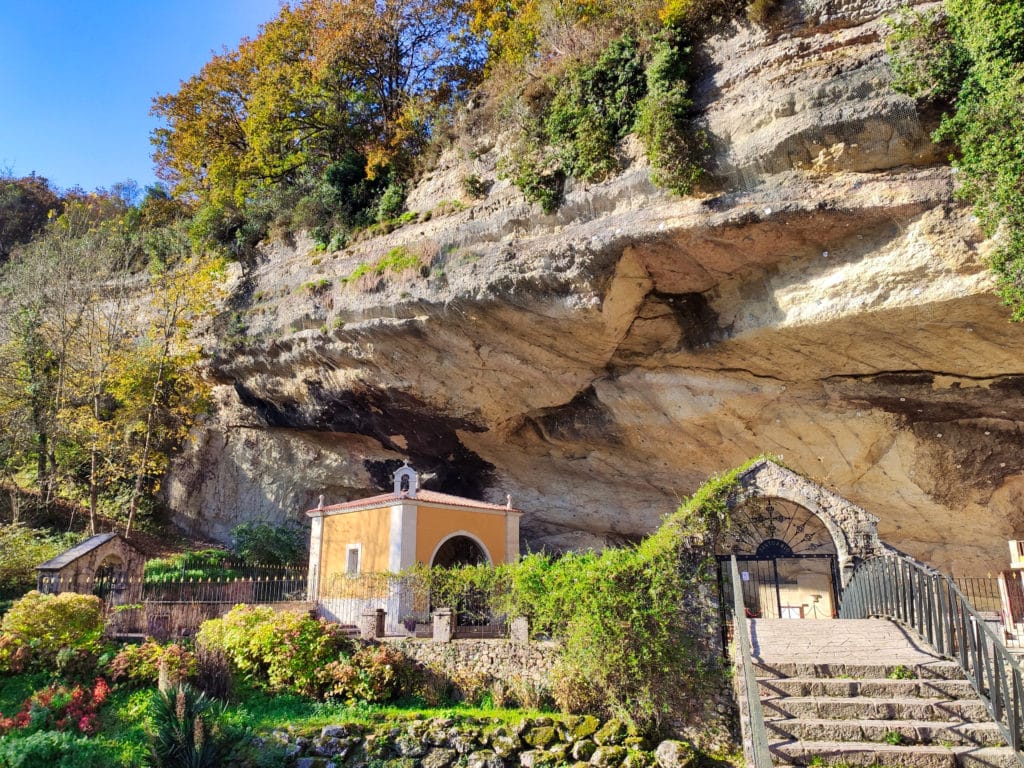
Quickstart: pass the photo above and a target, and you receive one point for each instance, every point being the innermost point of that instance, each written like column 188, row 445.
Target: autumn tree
column 156, row 384
column 323, row 80
column 26, row 204
column 45, row 310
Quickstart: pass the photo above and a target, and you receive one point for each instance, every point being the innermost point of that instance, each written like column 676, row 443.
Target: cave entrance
column 787, row 559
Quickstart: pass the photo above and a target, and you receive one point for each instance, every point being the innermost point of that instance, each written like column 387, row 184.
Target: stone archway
column 852, row 530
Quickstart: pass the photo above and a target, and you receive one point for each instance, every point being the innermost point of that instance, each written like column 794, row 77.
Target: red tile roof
column 422, row 495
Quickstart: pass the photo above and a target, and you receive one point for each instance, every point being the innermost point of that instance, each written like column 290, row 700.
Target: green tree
column 156, row 383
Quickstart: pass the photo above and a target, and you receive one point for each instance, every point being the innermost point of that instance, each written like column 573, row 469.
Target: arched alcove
column 459, row 549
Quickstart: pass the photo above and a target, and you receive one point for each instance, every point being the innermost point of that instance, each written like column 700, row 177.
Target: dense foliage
column 968, row 58
column 332, row 98
column 98, row 386
column 25, row 206
column 144, row 664
column 285, row 652
column 47, row 632
column 269, row 544
column 21, row 550
column 199, row 564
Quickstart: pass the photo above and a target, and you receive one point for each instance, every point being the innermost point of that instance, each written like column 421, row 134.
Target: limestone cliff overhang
column 853, row 530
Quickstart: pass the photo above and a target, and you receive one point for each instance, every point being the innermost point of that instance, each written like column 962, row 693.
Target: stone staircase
column 865, row 692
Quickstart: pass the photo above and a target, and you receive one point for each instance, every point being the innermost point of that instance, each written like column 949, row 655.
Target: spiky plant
column 186, row 730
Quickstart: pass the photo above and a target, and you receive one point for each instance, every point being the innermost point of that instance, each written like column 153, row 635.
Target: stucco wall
column 371, row 528
column 434, row 525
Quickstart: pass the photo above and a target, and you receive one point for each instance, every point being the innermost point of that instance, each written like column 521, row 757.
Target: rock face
column 825, row 301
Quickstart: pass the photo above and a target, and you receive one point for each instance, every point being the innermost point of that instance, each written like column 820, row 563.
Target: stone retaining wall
column 479, row 743
column 504, row 660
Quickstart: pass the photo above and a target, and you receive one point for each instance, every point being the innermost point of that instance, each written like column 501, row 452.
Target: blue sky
column 77, row 78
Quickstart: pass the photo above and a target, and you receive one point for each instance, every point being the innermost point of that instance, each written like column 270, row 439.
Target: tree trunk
column 150, row 416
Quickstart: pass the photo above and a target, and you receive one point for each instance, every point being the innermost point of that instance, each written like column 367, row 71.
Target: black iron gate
column 784, row 587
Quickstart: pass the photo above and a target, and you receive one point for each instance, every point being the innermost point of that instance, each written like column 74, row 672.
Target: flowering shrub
column 59, row 708
column 43, row 631
column 140, row 664
column 284, row 652
column 372, row 674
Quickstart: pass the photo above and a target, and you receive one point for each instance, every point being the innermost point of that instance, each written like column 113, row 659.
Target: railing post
column 756, row 750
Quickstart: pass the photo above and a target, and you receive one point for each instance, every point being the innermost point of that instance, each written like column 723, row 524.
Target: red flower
column 87, row 724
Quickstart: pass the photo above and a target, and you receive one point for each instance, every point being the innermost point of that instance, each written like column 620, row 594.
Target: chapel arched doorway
column 787, row 557
column 459, row 550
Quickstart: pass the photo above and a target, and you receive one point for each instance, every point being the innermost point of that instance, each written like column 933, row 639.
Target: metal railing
column 895, row 586
column 755, row 733
column 981, row 591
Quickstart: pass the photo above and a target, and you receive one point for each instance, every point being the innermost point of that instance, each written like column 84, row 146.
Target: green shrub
column 539, row 178
column 316, row 287
column 595, row 108
column 22, row 549
column 202, row 564
column 50, row 631
column 969, row 59
column 280, row 652
column 398, row 259
column 472, row 186
column 52, row 749
column 268, row 544
column 392, row 200
column 373, row 674
column 675, row 151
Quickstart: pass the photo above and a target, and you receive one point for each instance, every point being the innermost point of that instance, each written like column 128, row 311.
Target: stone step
column 865, row 754
column 910, row 731
column 935, row 670
column 866, row 708
column 882, row 688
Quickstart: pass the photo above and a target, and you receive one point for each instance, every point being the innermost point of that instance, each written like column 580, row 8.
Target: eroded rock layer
column 825, row 300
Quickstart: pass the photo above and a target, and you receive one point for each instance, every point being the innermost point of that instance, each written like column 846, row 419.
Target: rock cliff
column 825, row 299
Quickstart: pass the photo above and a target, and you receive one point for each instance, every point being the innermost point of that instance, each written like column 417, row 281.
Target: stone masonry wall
column 503, row 660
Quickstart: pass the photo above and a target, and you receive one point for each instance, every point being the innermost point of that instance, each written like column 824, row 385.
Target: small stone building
column 105, row 562
column 797, row 543
column 394, row 531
